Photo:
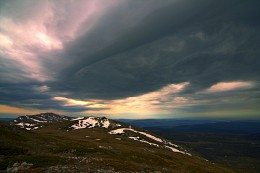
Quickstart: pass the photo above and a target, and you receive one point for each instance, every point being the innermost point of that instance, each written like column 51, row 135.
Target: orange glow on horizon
column 14, row 110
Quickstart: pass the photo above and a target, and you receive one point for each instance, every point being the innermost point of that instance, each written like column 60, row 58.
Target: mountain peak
column 33, row 122
column 92, row 122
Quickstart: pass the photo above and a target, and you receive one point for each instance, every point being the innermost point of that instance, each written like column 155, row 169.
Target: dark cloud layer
column 217, row 42
column 140, row 47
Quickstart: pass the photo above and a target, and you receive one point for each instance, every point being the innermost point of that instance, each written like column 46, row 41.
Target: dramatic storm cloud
column 173, row 58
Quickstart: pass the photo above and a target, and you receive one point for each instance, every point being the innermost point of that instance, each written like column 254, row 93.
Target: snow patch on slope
column 176, row 150
column 90, row 122
column 152, row 137
column 162, row 143
column 105, row 123
column 39, row 121
column 78, row 118
column 121, row 130
column 143, row 141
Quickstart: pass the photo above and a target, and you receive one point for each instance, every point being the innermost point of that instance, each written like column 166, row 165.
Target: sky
column 130, row 59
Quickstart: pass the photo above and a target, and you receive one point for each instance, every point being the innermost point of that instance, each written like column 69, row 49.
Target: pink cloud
column 228, row 86
column 45, row 27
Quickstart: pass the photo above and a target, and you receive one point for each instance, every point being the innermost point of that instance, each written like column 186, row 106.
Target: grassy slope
column 72, row 151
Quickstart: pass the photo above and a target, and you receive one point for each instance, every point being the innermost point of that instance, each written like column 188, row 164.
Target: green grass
column 51, row 146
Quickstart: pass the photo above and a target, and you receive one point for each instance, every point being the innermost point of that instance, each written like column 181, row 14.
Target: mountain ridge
column 39, row 120
column 91, row 144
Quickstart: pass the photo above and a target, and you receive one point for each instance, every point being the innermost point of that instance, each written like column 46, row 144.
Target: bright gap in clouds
column 149, row 103
column 48, row 42
column 5, row 41
column 167, row 100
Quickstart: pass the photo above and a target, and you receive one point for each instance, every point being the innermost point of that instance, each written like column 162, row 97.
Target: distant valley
column 235, row 144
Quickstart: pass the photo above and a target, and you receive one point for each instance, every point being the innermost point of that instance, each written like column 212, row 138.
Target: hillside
column 90, row 144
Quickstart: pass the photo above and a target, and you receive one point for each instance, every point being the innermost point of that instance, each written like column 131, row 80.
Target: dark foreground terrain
column 90, row 145
column 235, row 144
